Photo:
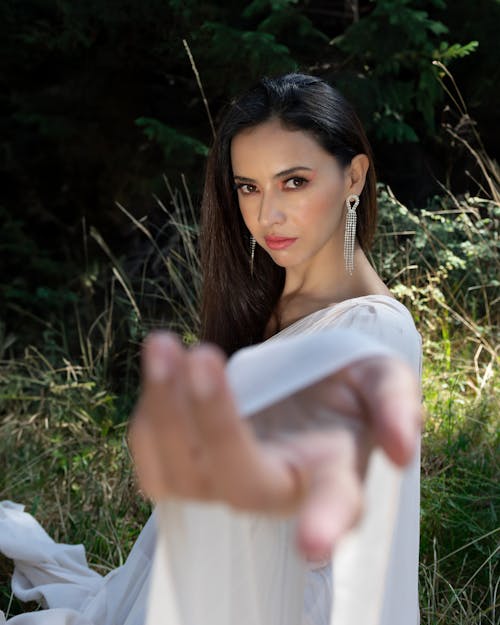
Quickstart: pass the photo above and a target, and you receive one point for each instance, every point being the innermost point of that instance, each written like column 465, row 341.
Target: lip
column 278, row 243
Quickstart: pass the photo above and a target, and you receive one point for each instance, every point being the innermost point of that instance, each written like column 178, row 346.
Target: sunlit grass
column 460, row 500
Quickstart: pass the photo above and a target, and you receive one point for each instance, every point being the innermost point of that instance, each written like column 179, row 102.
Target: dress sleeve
column 391, row 323
column 219, row 566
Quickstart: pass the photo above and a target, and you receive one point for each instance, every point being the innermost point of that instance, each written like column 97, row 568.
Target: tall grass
column 63, row 416
column 444, row 264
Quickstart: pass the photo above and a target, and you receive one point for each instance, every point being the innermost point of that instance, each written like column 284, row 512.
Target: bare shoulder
column 375, row 286
column 368, row 281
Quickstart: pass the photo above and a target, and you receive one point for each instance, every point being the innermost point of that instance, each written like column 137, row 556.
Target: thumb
column 148, row 471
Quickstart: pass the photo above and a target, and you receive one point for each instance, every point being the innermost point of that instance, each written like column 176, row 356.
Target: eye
column 295, row 183
column 245, row 188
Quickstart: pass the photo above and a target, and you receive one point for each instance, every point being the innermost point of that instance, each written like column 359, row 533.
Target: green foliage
column 176, row 146
column 229, row 49
column 460, row 503
column 453, row 250
column 285, row 20
column 394, row 47
column 31, row 278
column 259, row 6
column 448, row 53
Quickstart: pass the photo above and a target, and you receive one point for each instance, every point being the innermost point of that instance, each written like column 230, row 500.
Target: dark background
column 98, row 101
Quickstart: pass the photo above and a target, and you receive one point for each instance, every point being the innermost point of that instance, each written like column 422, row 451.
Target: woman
column 291, row 178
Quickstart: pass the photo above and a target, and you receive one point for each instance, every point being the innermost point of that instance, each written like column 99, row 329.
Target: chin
column 291, row 261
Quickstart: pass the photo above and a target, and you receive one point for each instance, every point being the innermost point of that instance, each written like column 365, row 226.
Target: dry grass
column 63, row 414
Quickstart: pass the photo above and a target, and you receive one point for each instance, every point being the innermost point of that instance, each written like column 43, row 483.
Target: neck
column 324, row 277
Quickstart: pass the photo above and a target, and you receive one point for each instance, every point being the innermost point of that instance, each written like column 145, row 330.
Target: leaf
column 260, row 6
column 448, row 53
column 169, row 138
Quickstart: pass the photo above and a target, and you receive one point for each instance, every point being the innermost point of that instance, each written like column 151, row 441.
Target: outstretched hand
column 189, row 441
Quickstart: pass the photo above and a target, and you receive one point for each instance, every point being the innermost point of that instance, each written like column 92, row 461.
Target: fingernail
column 158, row 364
column 203, row 379
column 158, row 369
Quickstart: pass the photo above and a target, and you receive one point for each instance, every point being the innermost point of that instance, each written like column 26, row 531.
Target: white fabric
column 214, row 566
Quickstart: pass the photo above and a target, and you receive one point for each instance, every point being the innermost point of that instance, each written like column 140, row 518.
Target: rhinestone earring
column 350, row 232
column 252, row 252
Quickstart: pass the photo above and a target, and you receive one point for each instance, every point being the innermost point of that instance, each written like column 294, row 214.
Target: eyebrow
column 285, row 172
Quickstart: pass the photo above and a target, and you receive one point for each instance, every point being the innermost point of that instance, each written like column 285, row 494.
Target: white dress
column 214, row 566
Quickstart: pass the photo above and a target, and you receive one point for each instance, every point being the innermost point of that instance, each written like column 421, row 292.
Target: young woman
column 255, row 507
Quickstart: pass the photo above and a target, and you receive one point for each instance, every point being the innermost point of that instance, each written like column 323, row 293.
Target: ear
column 355, row 174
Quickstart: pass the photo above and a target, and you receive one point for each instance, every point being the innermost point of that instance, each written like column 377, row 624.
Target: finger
column 147, row 467
column 243, row 473
column 398, row 417
column 334, row 501
column 390, row 393
column 165, row 403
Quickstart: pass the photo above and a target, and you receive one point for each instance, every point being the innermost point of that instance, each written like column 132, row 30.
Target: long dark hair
column 235, row 307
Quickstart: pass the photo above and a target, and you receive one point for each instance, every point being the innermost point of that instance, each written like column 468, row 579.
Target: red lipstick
column 278, row 243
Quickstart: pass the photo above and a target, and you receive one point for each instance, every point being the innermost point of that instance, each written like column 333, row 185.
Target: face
column 288, row 186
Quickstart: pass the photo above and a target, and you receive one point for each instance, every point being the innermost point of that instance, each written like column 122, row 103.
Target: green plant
column 460, row 503
column 444, row 264
column 392, row 50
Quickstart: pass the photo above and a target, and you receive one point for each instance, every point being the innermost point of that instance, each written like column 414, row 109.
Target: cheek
column 320, row 211
column 247, row 213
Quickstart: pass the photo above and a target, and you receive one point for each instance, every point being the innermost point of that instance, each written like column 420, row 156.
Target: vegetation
column 63, row 443
column 76, row 298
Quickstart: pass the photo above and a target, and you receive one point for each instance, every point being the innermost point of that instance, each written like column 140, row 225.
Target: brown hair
column 235, row 307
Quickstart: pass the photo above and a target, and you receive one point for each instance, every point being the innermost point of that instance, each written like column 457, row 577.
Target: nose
column 271, row 210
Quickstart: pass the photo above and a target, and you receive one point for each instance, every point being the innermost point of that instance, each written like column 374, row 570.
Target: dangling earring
column 350, row 232
column 252, row 252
